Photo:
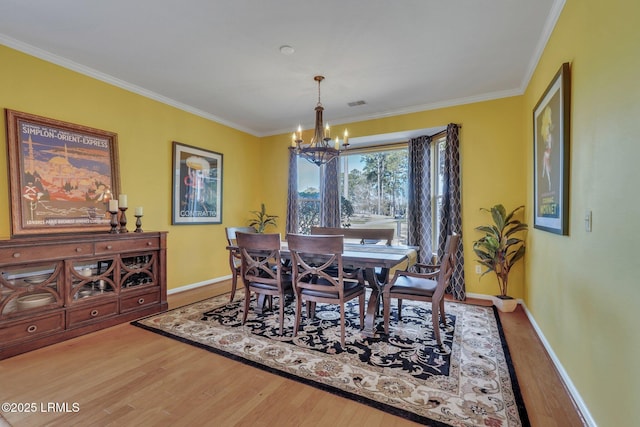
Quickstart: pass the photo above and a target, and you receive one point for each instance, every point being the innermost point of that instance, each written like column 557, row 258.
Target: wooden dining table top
column 371, row 255
column 366, row 255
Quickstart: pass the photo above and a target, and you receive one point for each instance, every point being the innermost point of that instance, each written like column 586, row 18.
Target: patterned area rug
column 469, row 383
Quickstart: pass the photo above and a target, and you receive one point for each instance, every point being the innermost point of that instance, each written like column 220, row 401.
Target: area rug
column 470, row 382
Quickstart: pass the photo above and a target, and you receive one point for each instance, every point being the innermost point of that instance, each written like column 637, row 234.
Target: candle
column 293, row 139
column 122, row 200
column 113, row 206
column 327, row 131
column 337, row 143
column 139, row 211
column 346, row 137
column 299, row 136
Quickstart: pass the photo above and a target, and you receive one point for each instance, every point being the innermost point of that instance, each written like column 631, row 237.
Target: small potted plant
column 261, row 219
column 499, row 249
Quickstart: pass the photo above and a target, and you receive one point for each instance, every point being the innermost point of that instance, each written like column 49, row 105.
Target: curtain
column 329, row 195
column 419, row 197
column 292, row 193
column 451, row 209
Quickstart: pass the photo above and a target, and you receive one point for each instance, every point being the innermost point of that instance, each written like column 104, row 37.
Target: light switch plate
column 587, row 220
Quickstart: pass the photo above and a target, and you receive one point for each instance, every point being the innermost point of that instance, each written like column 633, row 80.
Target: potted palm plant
column 500, row 248
column 261, row 219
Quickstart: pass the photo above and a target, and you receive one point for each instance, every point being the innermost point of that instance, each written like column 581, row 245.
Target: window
column 437, row 186
column 373, row 189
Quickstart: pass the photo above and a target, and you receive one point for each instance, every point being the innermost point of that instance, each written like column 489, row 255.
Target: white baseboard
column 197, row 285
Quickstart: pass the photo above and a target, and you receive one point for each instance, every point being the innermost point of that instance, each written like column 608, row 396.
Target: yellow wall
column 145, row 129
column 583, row 289
column 492, row 161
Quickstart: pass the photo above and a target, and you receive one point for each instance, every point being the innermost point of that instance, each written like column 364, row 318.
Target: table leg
column 375, row 299
column 261, row 302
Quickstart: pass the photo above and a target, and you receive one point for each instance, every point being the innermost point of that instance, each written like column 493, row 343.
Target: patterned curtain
column 292, row 193
column 329, row 195
column 451, row 210
column 419, row 197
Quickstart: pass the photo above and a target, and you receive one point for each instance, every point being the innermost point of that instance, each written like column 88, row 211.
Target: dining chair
column 234, row 255
column 364, row 235
column 262, row 270
column 423, row 286
column 318, row 276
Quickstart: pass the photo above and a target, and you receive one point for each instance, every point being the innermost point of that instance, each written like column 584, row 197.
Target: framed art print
column 62, row 175
column 197, row 185
column 551, row 121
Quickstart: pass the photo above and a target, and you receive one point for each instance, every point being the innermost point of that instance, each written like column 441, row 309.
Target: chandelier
column 322, row 148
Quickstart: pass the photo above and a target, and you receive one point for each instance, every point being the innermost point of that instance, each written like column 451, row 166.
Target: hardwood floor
column 126, row 376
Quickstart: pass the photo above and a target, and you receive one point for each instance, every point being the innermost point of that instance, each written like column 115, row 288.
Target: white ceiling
column 221, row 59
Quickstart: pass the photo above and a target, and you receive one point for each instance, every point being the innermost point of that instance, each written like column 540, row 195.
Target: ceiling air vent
column 356, row 103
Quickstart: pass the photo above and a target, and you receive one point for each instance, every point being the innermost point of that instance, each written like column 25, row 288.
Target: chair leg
column 342, row 315
column 443, row 317
column 234, row 284
column 247, row 300
column 434, row 322
column 386, row 303
column 281, row 313
column 311, row 309
column 361, row 304
column 298, row 313
column 399, row 309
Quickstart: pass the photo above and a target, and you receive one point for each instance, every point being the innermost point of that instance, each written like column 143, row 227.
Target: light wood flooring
column 126, row 376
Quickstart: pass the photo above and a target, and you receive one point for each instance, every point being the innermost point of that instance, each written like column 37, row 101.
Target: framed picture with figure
column 197, row 185
column 551, row 131
column 62, row 175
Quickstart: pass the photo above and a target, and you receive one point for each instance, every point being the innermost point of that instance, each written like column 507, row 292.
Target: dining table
column 377, row 262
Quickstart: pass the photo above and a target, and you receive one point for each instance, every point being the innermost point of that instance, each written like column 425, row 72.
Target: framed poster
column 62, row 175
column 197, row 185
column 551, row 121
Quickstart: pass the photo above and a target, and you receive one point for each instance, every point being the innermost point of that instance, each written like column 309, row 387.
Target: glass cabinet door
column 138, row 270
column 30, row 288
column 91, row 278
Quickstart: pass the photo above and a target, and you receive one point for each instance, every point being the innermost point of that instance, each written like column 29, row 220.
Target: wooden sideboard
column 53, row 288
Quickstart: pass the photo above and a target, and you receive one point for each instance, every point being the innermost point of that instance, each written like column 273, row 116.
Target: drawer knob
column 32, row 328
column 149, row 243
column 109, row 247
column 140, row 301
column 78, row 249
column 94, row 313
column 16, row 254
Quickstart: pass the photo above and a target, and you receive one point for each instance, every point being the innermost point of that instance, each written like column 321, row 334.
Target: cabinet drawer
column 91, row 313
column 28, row 254
column 118, row 246
column 31, row 328
column 133, row 302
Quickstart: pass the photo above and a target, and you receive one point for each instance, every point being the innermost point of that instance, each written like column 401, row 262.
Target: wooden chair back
column 234, row 255
column 447, row 265
column 260, row 256
column 231, row 233
column 364, row 235
column 317, row 257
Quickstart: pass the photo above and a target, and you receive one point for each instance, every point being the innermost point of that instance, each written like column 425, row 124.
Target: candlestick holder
column 138, row 224
column 123, row 220
column 114, row 222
